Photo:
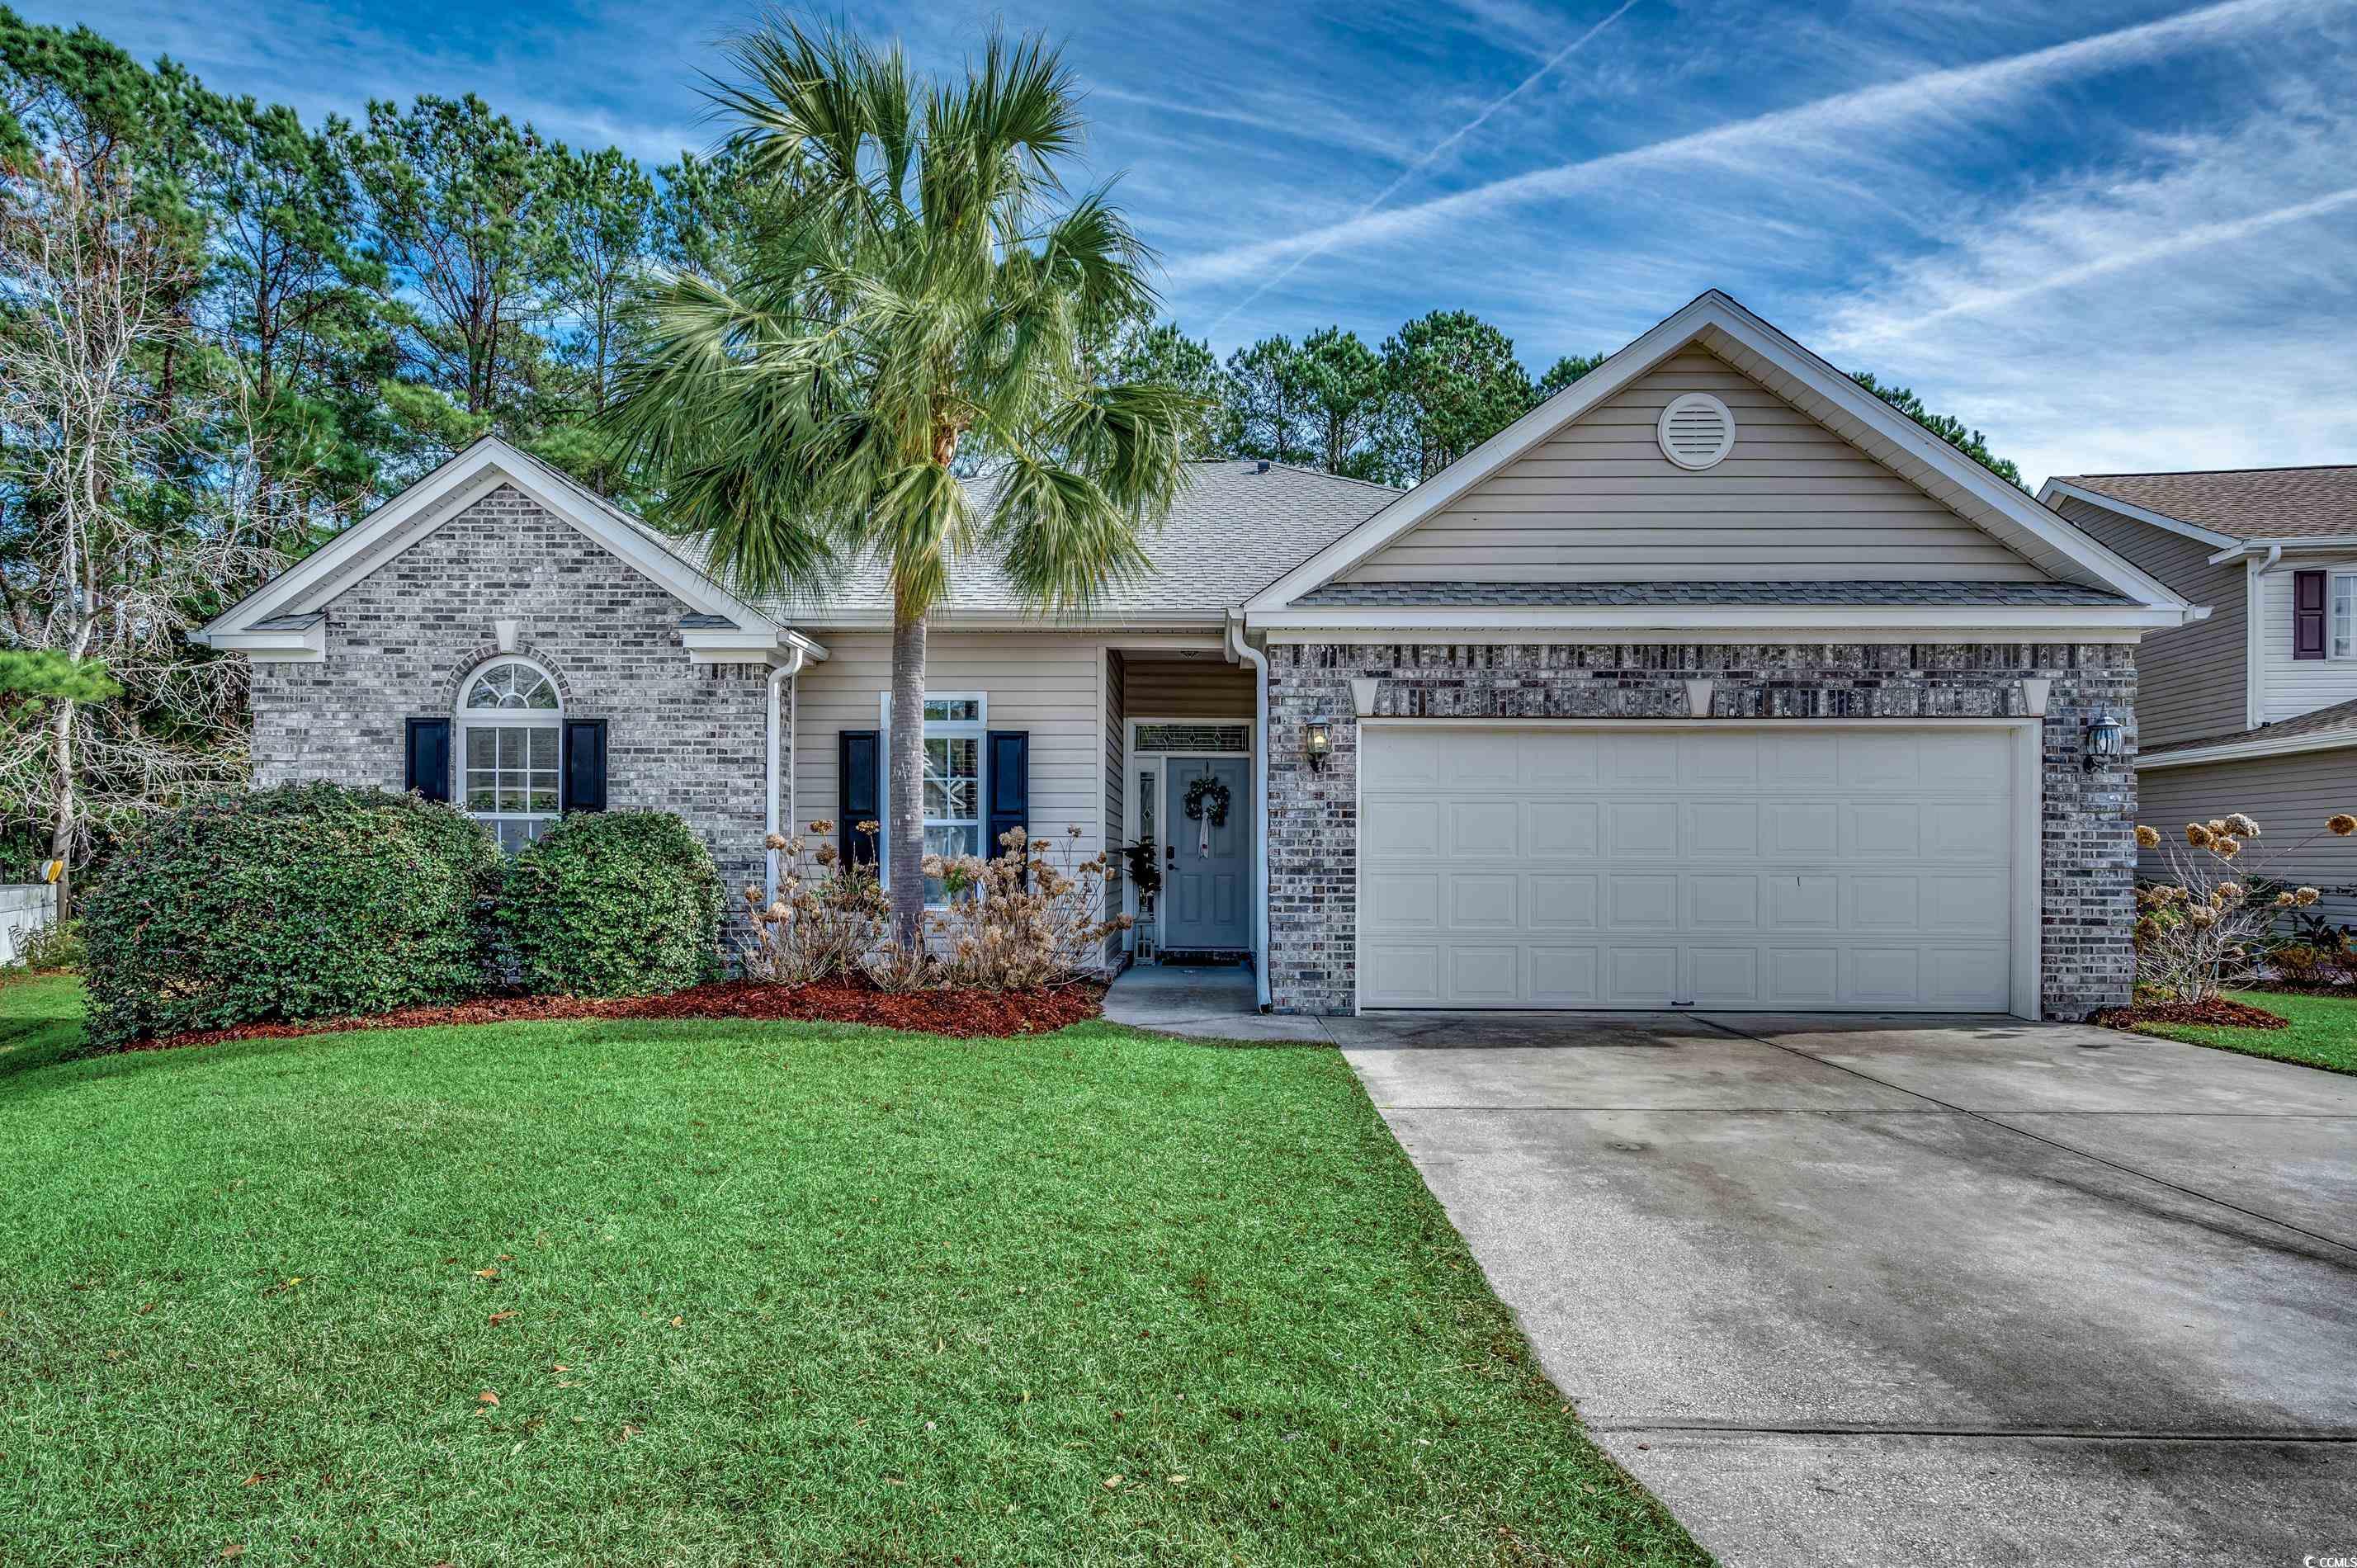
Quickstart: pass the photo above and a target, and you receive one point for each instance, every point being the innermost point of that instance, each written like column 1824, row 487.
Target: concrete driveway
column 1885, row 1291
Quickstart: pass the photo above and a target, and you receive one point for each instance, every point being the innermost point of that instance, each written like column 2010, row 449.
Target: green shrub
column 613, row 904
column 57, row 946
column 306, row 901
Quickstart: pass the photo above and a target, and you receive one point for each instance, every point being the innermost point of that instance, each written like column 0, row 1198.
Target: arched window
column 508, row 721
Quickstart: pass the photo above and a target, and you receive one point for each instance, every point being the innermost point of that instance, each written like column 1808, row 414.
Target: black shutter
column 2308, row 593
column 584, row 765
column 1010, row 786
column 426, row 758
column 859, row 761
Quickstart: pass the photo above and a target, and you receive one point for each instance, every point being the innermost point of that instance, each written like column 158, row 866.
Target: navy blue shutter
column 426, row 758
column 1009, row 751
column 2308, row 614
column 859, row 759
column 584, row 765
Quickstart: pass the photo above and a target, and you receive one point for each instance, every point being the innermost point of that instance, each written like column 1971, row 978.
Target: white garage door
column 1771, row 867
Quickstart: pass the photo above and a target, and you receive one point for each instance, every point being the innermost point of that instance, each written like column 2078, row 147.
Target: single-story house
column 2255, row 708
column 1712, row 681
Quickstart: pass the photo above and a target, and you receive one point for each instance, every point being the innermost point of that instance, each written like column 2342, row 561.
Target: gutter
column 1247, row 653
column 795, row 659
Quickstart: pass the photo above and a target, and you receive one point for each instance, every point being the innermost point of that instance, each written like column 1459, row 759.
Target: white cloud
column 1838, row 127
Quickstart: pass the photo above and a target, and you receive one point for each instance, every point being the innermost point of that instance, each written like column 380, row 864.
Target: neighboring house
column 1712, row 681
column 2255, row 708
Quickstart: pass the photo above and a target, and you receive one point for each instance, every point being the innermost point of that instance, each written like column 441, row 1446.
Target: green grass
column 2323, row 1030
column 820, row 1295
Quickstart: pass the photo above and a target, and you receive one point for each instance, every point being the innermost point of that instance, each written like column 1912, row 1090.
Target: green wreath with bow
column 1208, row 792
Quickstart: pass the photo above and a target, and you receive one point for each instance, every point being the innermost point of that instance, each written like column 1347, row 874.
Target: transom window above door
column 510, row 761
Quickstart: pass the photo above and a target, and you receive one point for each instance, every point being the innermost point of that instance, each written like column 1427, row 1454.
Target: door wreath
column 1208, row 794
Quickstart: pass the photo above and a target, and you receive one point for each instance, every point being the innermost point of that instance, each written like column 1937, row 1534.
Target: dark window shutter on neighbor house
column 584, row 765
column 426, row 758
column 859, row 757
column 1010, row 786
column 2308, row 614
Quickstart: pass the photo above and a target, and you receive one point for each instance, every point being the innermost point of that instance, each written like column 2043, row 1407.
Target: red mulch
column 963, row 1014
column 2219, row 1010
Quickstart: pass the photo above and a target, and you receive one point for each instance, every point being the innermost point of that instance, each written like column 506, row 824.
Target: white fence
column 25, row 908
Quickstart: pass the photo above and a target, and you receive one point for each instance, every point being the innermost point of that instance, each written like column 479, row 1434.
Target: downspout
column 1258, row 659
column 778, row 678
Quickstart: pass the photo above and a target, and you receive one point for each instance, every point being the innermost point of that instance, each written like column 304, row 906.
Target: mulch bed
column 2220, row 1011
column 966, row 1014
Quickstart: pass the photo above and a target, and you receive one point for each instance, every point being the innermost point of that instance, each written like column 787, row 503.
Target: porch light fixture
column 1320, row 743
column 2106, row 738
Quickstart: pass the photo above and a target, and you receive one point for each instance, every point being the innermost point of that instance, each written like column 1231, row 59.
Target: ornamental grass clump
column 2203, row 929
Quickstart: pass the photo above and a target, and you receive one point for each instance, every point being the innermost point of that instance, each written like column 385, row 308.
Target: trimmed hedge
column 613, row 904
column 305, row 901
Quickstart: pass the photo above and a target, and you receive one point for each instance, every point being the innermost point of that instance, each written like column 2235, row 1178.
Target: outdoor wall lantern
column 2106, row 737
column 1320, row 742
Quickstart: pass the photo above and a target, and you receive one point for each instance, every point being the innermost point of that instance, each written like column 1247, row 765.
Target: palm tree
column 912, row 303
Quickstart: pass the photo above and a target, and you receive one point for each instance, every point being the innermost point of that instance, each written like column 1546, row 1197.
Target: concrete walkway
column 1883, row 1292
column 1212, row 1003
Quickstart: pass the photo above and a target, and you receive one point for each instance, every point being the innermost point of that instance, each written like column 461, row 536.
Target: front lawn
column 722, row 1293
column 2323, row 1030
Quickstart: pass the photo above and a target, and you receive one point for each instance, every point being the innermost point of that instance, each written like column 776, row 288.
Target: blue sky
column 2116, row 234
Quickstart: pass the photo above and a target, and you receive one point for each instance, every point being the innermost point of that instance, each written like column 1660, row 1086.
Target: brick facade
column 2087, row 832
column 682, row 737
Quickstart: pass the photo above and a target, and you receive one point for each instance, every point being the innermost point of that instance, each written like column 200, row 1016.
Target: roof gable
column 2229, row 506
column 258, row 623
column 1597, row 502
column 1767, row 358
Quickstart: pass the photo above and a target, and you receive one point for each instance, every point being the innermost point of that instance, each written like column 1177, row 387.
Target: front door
column 1207, row 863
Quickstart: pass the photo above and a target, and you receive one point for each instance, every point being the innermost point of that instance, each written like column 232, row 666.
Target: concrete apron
column 1217, row 1002
column 1884, row 1291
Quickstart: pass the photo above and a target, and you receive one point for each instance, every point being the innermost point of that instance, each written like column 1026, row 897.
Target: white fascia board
column 1478, row 622
column 756, row 645
column 482, row 466
column 2247, row 750
column 2338, row 544
column 1016, row 620
column 1888, row 429
column 305, row 645
column 2211, row 536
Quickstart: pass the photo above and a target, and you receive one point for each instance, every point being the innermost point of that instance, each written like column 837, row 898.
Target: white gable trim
column 2053, row 488
column 1999, row 508
column 416, row 514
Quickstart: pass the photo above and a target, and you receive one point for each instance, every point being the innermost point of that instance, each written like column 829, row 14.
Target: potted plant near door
column 1145, row 874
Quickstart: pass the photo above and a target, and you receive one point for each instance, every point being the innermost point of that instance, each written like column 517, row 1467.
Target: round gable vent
column 1696, row 430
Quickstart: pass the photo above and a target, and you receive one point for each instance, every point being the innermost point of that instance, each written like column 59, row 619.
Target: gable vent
column 1696, row 430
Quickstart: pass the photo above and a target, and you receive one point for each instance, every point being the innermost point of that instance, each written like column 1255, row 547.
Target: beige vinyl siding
column 1115, row 805
column 2291, row 687
column 1049, row 684
column 1206, row 688
column 1598, row 503
column 2189, row 678
column 2288, row 797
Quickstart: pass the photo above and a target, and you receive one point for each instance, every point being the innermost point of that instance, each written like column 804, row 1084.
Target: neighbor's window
column 508, row 721
column 2344, row 601
column 953, row 787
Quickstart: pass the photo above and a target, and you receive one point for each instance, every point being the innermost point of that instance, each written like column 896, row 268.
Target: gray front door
column 1206, row 899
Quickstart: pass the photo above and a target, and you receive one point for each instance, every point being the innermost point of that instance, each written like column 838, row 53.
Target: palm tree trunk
column 905, row 801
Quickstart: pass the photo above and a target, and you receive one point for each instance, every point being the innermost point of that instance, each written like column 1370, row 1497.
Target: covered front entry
column 1867, row 866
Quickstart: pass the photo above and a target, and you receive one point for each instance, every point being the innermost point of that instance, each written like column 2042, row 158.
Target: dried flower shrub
column 1026, row 920
column 827, row 917
column 2202, row 930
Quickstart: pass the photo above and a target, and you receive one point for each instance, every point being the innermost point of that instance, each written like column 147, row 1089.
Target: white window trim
column 977, row 728
column 1138, row 762
column 463, row 718
column 2333, row 628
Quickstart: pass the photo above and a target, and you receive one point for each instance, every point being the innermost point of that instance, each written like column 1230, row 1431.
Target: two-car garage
column 1868, row 865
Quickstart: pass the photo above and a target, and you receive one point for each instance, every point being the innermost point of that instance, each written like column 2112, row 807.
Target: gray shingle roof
column 2248, row 503
column 2339, row 719
column 1403, row 595
column 1237, row 528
